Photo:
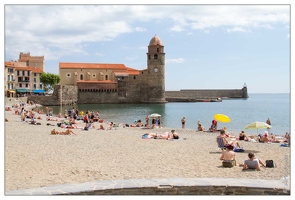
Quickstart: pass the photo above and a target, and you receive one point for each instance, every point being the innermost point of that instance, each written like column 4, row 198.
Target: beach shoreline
column 35, row 158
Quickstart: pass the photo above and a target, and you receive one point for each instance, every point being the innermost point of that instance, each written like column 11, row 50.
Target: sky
column 217, row 46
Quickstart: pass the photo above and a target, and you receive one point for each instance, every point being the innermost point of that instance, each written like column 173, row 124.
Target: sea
column 258, row 107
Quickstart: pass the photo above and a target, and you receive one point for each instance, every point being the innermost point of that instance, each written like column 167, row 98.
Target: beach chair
column 220, row 142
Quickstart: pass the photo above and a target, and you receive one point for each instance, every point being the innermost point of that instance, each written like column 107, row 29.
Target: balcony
column 24, row 81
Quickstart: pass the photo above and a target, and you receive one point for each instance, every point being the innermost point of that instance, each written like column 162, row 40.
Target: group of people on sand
column 228, row 153
column 165, row 136
column 228, row 158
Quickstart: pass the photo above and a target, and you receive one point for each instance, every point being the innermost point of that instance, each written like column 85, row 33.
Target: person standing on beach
column 183, row 120
column 147, row 120
column 159, row 122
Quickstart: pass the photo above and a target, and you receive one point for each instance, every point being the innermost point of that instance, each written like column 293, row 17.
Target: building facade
column 21, row 79
column 116, row 83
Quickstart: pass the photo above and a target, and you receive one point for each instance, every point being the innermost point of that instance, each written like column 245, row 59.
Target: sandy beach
column 35, row 158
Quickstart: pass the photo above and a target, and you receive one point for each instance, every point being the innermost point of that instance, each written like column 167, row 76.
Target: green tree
column 49, row 80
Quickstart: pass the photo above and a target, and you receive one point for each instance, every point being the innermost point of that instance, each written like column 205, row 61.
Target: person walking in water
column 183, row 122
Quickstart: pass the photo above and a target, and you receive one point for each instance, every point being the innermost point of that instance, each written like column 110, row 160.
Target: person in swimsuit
column 183, row 122
column 243, row 136
column 174, row 134
column 228, row 156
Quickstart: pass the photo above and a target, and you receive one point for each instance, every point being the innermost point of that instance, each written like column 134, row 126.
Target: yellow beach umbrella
column 221, row 118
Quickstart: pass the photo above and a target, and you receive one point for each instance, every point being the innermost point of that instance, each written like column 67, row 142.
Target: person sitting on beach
column 243, row 136
column 65, row 114
column 59, row 115
column 111, row 126
column 174, row 134
column 222, row 135
column 228, row 156
column 252, row 162
column 264, row 138
column 200, row 127
column 287, row 137
column 101, row 127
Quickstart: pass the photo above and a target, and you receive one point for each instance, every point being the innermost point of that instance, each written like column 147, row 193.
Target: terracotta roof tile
column 67, row 65
column 117, row 68
column 33, row 69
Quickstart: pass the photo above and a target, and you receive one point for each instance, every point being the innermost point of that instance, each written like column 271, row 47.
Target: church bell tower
column 156, row 71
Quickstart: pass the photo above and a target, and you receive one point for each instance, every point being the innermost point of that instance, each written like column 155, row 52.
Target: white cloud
column 175, row 60
column 58, row 30
column 237, row 29
column 176, row 28
column 139, row 29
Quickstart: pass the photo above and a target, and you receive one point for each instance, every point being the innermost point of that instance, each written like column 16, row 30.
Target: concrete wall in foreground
column 170, row 186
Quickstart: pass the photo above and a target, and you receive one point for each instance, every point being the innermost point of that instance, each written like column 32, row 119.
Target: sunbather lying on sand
column 67, row 132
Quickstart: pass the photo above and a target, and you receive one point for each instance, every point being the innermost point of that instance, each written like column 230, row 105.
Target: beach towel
column 239, row 150
column 285, row 145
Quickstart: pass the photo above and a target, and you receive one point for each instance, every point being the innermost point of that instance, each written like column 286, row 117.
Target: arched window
column 81, row 76
column 107, row 78
column 155, row 56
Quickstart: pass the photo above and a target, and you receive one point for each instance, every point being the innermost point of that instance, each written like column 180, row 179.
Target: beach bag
column 269, row 164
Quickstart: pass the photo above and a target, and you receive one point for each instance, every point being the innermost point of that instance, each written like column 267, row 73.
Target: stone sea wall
column 208, row 94
column 128, row 94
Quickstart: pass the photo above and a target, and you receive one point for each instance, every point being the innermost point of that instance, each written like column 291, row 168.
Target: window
column 81, row 77
column 68, row 75
column 28, row 73
column 157, row 49
column 10, row 70
column 93, row 75
column 34, row 86
column 35, row 74
column 27, row 85
column 23, row 73
column 36, row 64
column 134, row 77
column 8, row 77
column 20, row 85
column 17, row 72
column 34, row 80
column 107, row 78
column 149, row 57
column 155, row 56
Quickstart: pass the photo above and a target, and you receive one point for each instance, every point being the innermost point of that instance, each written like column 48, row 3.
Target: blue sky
column 206, row 46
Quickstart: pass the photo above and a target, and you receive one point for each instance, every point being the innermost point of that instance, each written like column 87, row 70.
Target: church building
column 116, row 83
